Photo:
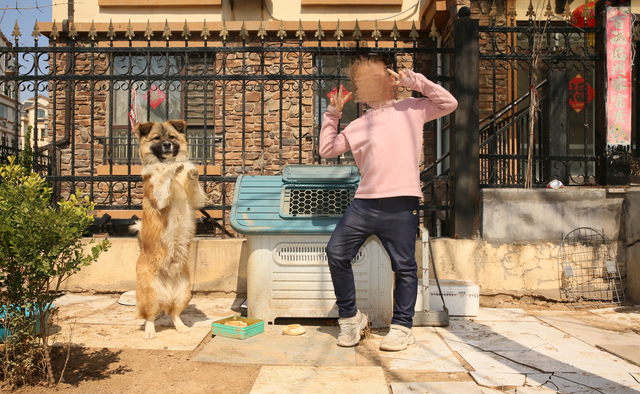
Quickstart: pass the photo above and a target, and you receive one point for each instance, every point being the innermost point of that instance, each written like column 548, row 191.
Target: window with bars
column 159, row 100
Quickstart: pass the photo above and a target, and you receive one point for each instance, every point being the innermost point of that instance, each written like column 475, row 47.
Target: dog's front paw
column 193, row 173
column 149, row 330
column 148, row 336
column 178, row 168
column 183, row 329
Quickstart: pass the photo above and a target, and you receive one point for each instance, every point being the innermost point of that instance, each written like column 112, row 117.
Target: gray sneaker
column 398, row 338
column 350, row 329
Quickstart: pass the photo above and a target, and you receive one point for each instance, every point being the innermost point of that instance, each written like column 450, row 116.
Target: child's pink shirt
column 386, row 143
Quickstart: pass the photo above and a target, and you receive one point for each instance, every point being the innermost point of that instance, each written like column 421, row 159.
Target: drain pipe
column 67, row 99
column 439, row 132
column 439, row 120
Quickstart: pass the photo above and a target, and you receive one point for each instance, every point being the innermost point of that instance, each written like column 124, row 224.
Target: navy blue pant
column 394, row 221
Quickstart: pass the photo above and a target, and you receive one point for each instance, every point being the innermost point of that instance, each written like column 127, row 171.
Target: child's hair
column 373, row 90
column 368, row 60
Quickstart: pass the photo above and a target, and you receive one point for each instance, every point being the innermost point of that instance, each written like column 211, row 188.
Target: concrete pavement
column 500, row 350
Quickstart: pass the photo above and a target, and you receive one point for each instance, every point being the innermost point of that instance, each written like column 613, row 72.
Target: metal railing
column 41, row 163
column 252, row 105
column 563, row 134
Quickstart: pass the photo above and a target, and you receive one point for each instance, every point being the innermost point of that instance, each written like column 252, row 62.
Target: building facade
column 37, row 118
column 8, row 136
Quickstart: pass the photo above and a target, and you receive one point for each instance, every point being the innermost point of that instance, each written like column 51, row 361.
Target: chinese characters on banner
column 618, row 77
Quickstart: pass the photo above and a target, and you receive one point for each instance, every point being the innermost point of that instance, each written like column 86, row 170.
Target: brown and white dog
column 171, row 194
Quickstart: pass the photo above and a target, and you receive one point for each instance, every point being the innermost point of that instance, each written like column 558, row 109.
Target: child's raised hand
column 397, row 76
column 337, row 100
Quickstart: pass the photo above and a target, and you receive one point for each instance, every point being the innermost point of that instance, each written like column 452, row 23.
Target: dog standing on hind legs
column 171, row 194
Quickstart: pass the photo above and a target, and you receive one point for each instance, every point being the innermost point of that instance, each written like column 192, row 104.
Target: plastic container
column 254, row 327
column 555, row 184
column 4, row 332
column 462, row 297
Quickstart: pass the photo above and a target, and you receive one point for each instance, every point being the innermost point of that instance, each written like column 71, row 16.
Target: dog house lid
column 336, row 173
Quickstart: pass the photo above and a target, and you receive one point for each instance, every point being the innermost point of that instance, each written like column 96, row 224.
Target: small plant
column 41, row 245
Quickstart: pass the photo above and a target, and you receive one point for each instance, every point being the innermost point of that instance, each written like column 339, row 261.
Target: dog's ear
column 179, row 125
column 143, row 129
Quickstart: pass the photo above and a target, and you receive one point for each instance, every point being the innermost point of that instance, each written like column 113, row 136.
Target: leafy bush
column 41, row 245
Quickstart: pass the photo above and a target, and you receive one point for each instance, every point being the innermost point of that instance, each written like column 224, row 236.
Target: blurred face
column 373, row 84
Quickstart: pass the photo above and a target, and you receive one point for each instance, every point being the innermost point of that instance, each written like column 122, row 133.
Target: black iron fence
column 253, row 103
column 557, row 63
column 41, row 163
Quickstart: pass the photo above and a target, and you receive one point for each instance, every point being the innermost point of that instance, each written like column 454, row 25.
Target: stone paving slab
column 534, row 390
column 126, row 337
column 319, row 380
column 466, row 326
column 435, row 388
column 584, row 383
column 488, row 362
column 72, row 307
column 567, row 359
column 629, row 353
column 316, row 347
column 503, row 314
column 429, row 353
column 628, row 315
column 493, row 341
column 201, row 312
column 499, row 380
column 592, row 335
column 537, row 327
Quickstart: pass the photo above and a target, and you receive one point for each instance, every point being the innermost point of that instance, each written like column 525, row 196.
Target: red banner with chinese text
column 618, row 76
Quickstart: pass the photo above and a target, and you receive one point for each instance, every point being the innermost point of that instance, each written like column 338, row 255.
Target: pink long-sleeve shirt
column 386, row 142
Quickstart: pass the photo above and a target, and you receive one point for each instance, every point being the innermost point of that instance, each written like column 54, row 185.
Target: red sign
column 619, row 84
column 157, row 96
column 344, row 91
column 580, row 93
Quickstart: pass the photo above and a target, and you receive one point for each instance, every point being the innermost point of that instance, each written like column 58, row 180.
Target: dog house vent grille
column 296, row 254
column 306, row 201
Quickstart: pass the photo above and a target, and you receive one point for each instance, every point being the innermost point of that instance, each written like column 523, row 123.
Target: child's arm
column 440, row 102
column 332, row 144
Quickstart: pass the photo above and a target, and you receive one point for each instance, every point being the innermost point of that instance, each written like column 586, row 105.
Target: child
column 386, row 143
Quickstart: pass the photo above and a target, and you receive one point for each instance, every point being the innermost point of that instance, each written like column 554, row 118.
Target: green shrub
column 41, row 245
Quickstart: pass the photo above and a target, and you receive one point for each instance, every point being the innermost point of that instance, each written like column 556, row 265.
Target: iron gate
column 538, row 58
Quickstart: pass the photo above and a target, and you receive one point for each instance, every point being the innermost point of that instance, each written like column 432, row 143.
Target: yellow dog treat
column 294, row 329
column 236, row 323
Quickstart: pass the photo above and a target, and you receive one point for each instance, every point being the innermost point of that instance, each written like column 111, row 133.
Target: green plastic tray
column 254, row 327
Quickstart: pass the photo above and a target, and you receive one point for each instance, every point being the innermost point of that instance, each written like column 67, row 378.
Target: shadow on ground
column 84, row 364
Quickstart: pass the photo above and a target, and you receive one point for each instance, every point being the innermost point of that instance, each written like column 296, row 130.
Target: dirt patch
column 144, row 371
column 530, row 303
column 525, row 302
